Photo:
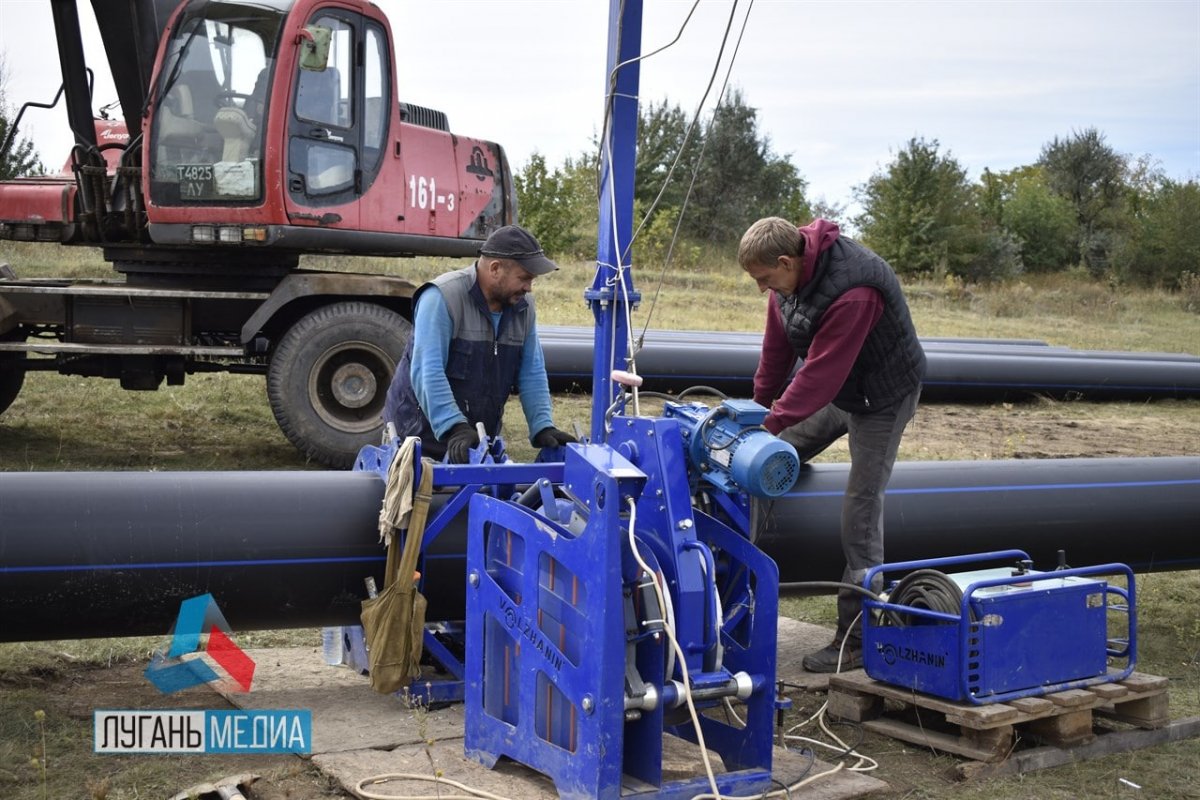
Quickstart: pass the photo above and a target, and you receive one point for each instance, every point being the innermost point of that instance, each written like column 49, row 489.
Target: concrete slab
column 512, row 780
column 359, row 734
column 796, row 640
column 347, row 713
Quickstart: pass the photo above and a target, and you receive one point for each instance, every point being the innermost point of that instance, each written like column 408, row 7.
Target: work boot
column 826, row 659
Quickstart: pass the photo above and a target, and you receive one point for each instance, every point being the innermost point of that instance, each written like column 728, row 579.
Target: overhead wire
column 695, row 117
column 624, row 252
column 612, row 75
column 699, row 158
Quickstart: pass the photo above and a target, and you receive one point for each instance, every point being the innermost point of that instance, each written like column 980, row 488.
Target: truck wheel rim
column 346, row 386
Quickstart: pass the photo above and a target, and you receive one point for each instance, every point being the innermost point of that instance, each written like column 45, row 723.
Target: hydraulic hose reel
column 987, row 634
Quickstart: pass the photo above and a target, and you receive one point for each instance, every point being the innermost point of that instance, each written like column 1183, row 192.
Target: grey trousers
column 874, row 441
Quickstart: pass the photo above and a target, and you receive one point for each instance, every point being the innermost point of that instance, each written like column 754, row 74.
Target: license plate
column 195, row 180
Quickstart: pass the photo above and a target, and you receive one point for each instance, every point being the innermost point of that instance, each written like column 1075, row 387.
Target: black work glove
column 552, row 437
column 459, row 441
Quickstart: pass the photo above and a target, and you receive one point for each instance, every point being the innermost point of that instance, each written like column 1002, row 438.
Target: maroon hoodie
column 835, row 345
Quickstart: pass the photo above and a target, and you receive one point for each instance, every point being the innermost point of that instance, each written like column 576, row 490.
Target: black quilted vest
column 891, row 363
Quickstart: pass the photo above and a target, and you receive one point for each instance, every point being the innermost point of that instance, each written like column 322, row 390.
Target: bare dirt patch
column 1050, row 429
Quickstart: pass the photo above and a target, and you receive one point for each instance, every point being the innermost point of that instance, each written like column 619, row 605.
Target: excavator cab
column 210, row 115
column 275, row 125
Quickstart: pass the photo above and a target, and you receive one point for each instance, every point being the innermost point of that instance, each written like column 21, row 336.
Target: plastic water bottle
column 332, row 645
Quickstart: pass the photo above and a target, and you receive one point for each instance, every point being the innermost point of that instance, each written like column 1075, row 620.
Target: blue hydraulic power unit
column 990, row 634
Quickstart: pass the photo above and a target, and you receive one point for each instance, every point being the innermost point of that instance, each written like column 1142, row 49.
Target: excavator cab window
column 209, row 106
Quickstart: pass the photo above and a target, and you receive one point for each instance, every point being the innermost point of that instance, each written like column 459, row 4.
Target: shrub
column 1189, row 291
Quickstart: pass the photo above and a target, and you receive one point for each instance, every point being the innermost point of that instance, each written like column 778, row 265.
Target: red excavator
column 254, row 131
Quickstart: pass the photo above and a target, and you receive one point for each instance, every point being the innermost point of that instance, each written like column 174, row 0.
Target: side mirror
column 314, row 47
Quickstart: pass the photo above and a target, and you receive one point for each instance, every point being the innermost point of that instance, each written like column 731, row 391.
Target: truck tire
column 329, row 375
column 12, row 371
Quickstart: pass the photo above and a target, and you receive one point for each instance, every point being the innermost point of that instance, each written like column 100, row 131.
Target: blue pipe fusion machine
column 605, row 610
column 613, row 596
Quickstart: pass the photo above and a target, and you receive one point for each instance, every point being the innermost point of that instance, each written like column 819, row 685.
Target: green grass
column 1065, row 309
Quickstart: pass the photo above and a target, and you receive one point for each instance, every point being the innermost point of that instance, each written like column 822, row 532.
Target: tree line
column 1080, row 206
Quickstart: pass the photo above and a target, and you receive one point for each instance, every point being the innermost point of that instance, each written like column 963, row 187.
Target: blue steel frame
column 612, row 293
column 553, row 626
column 1047, row 622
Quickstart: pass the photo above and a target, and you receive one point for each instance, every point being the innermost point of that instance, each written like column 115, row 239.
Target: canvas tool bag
column 394, row 621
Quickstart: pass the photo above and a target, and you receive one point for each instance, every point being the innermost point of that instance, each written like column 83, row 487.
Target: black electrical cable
column 804, row 586
column 658, row 395
column 926, row 589
column 851, row 749
column 709, row 418
column 783, row 787
column 801, row 587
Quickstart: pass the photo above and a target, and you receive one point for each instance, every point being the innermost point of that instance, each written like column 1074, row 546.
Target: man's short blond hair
column 768, row 239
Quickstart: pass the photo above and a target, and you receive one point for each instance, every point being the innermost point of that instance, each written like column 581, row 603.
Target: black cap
column 514, row 243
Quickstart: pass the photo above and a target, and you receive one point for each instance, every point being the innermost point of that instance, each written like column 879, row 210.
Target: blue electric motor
column 729, row 448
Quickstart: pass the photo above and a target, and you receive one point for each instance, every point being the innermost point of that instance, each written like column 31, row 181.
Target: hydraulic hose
column 926, row 589
column 802, row 587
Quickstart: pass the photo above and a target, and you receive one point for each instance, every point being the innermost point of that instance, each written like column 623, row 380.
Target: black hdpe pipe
column 87, row 554
column 959, row 370
column 1137, row 511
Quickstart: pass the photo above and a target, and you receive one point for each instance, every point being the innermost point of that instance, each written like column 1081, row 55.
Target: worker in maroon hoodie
column 839, row 307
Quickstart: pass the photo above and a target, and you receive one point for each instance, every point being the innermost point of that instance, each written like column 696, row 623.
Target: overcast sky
column 840, row 86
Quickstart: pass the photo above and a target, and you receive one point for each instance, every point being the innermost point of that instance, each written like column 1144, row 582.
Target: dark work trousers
column 874, row 440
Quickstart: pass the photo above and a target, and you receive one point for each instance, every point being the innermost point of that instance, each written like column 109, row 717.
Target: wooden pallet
column 990, row 733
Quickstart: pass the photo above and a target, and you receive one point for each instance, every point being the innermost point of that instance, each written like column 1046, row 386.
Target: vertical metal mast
column 611, row 294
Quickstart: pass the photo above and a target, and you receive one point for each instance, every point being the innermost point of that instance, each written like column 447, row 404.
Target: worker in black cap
column 474, row 343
